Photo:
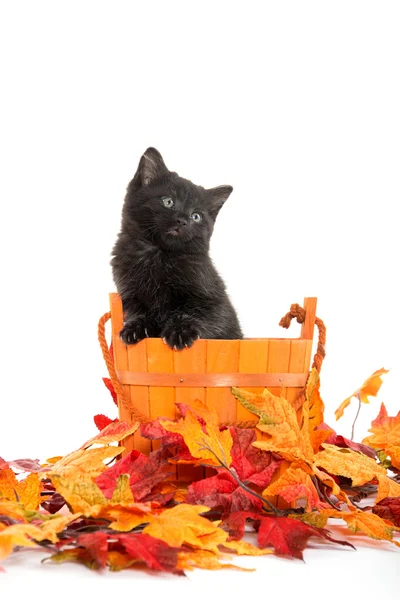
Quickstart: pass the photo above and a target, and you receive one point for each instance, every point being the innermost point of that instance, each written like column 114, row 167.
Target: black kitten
column 161, row 266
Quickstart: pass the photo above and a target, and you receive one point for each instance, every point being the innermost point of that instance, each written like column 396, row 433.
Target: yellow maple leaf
column 205, row 442
column 8, row 483
column 203, row 559
column 17, row 535
column 29, row 491
column 114, row 432
column 83, row 463
column 293, row 484
column 369, row 523
column 387, row 488
column 386, row 435
column 370, row 387
column 345, row 462
column 126, row 517
column 279, row 420
column 183, row 524
column 11, row 509
column 122, row 493
column 80, row 494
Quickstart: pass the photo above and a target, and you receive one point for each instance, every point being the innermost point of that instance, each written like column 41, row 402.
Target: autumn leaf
column 16, row 535
column 183, row 524
column 29, row 491
column 279, row 420
column 8, row 483
column 387, row 488
column 80, row 494
column 108, row 383
column 12, row 510
column 202, row 435
column 145, row 472
column 251, row 464
column 294, row 484
column 343, row 442
column 126, row 517
column 114, row 432
column 153, row 430
column 370, row 524
column 386, row 435
column 287, row 536
column 26, row 464
column 96, row 546
column 223, row 492
column 370, row 387
column 83, row 463
column 292, row 441
column 154, row 553
column 203, row 559
column 122, row 493
column 101, row 421
column 388, row 509
column 347, row 463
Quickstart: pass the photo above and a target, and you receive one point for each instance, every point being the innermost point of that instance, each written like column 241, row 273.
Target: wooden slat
column 162, row 399
column 278, row 360
column 159, row 359
column 222, row 358
column 120, row 360
column 297, row 363
column 189, row 361
column 212, row 380
column 307, row 328
column 253, row 357
column 139, row 394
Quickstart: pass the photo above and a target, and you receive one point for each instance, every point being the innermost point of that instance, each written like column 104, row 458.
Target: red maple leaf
column 108, row 383
column 287, row 536
column 389, row 509
column 223, row 492
column 101, row 421
column 96, row 546
column 153, row 430
column 145, row 473
column 250, row 465
column 156, row 554
column 343, row 442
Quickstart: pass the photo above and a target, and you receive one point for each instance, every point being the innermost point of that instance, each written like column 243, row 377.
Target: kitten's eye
column 197, row 217
column 167, row 201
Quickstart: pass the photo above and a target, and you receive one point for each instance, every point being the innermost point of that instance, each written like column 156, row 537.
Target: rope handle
column 296, row 311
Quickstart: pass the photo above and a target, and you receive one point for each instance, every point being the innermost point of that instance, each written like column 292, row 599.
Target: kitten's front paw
column 133, row 332
column 180, row 337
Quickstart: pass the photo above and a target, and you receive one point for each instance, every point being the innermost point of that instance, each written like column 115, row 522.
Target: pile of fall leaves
column 95, row 507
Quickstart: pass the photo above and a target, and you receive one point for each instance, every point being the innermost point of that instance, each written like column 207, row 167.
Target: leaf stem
column 356, row 417
column 266, row 502
column 322, row 493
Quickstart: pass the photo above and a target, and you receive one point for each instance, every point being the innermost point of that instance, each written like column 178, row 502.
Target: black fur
column 161, row 264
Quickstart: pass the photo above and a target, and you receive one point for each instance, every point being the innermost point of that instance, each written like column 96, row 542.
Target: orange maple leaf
column 386, row 435
column 370, row 387
column 370, row 524
column 287, row 437
column 204, row 439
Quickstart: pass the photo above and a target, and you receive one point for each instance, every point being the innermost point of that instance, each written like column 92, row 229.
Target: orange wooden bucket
column 150, row 377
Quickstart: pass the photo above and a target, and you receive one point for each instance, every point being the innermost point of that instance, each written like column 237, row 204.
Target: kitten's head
column 169, row 211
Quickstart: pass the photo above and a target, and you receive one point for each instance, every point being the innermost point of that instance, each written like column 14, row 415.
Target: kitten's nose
column 181, row 221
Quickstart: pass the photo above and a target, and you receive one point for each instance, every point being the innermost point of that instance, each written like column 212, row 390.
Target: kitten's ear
column 151, row 168
column 218, row 196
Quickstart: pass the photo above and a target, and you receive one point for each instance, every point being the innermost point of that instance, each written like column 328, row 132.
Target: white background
column 295, row 104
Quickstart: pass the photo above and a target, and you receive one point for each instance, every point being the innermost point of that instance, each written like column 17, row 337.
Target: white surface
column 296, row 105
column 370, row 572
